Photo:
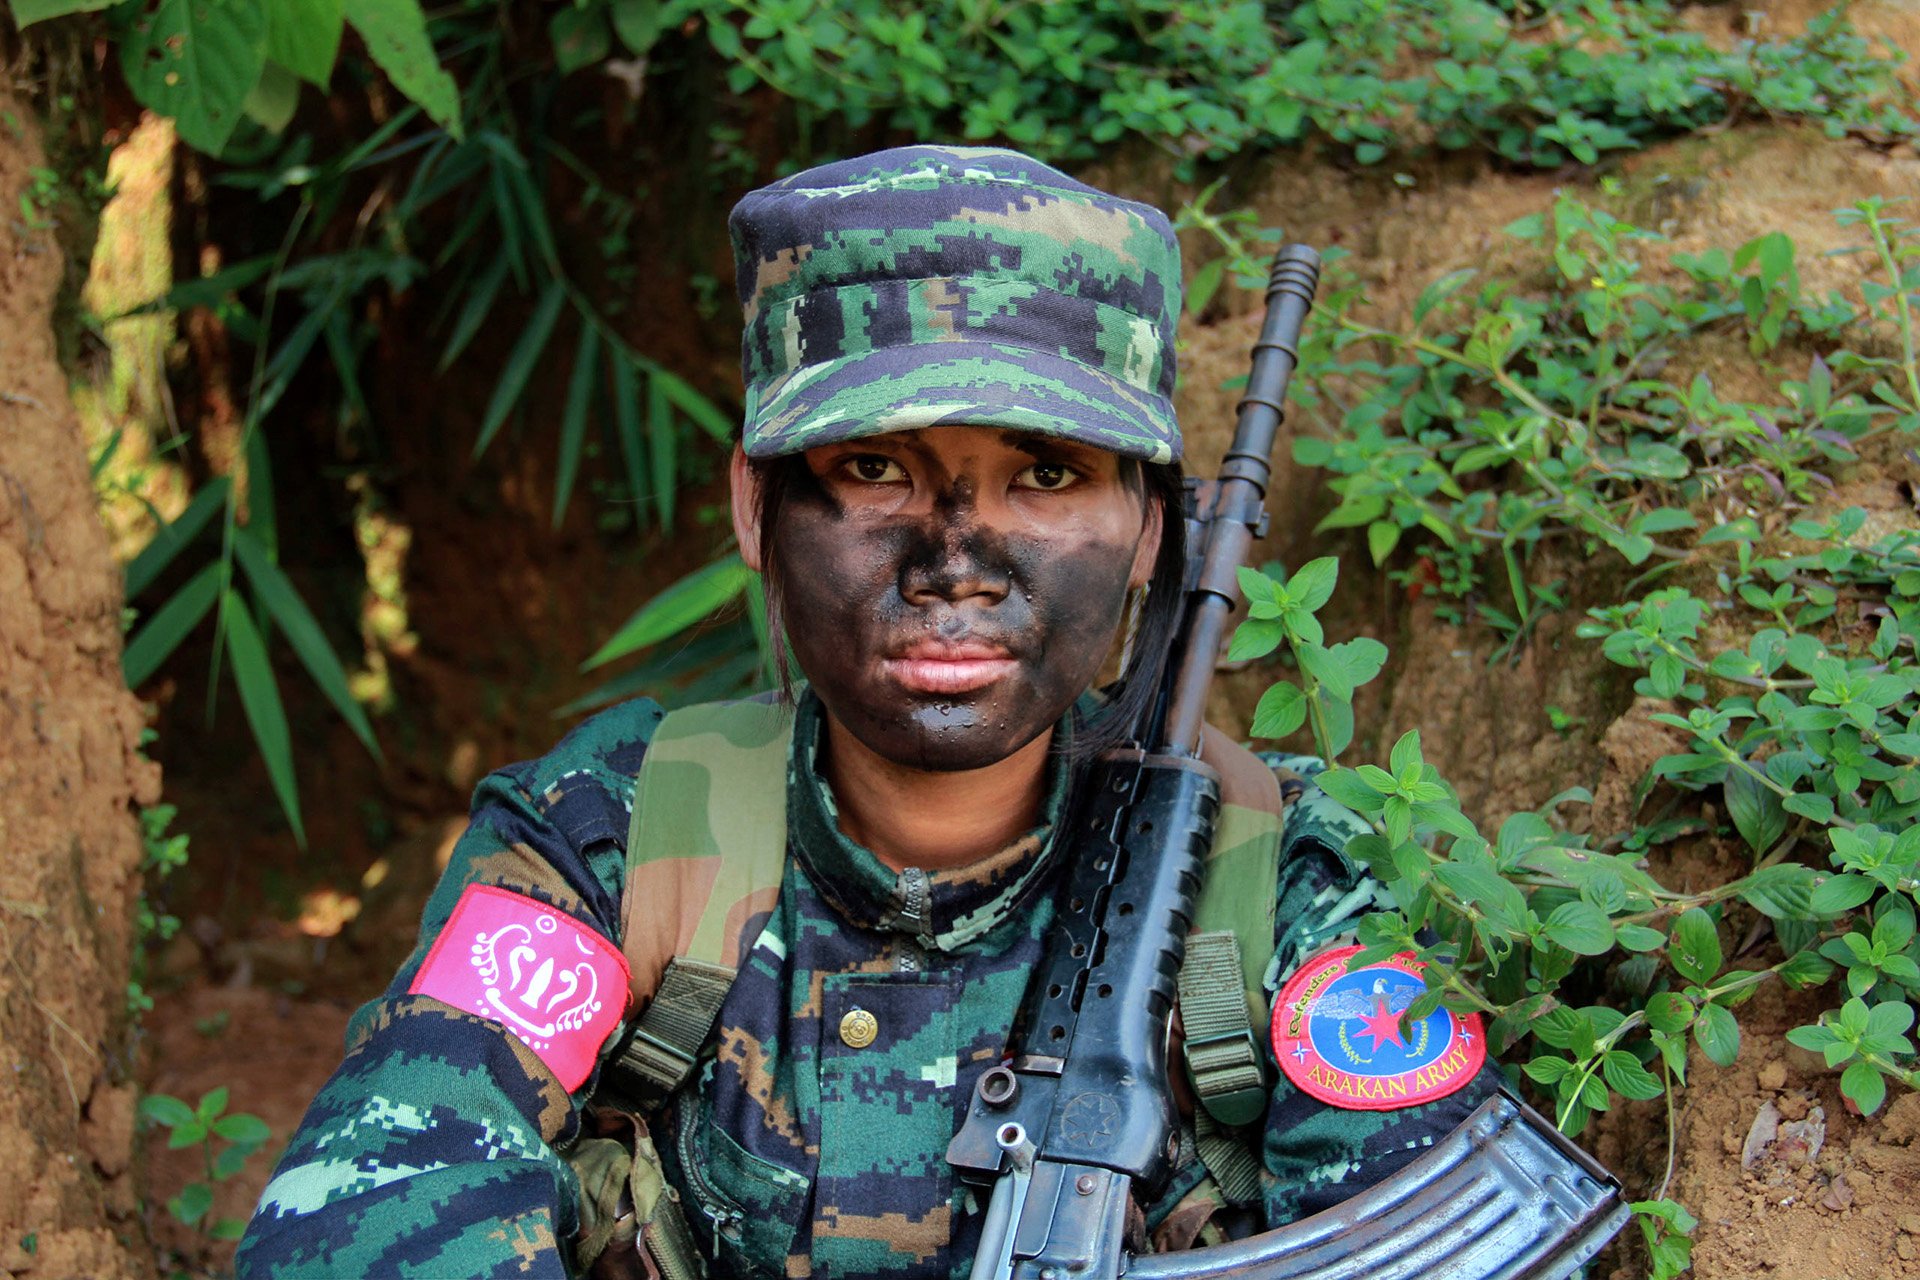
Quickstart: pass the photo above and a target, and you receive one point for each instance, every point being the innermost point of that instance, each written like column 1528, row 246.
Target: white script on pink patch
column 538, row 972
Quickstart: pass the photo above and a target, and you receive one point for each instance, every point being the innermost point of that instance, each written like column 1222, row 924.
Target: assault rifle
column 1081, row 1116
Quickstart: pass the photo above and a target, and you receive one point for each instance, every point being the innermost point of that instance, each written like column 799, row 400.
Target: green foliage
column 240, row 1137
column 1536, row 85
column 1788, row 669
column 210, row 64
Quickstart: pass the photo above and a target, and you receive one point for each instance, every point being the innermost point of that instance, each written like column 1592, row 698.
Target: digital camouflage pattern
column 926, row 285
column 436, row 1148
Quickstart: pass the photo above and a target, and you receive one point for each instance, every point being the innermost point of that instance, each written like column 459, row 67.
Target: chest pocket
column 746, row 1210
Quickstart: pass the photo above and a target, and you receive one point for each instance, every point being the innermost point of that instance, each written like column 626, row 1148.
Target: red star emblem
column 1383, row 1025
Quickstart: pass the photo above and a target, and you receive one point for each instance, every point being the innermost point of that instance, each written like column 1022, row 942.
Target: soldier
column 959, row 462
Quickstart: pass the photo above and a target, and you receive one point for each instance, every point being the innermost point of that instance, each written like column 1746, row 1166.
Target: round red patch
column 1338, row 1036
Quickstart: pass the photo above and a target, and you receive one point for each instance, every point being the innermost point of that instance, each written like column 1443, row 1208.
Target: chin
column 945, row 735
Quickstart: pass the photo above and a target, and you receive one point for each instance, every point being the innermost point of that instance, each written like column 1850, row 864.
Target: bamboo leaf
column 174, row 536
column 702, row 592
column 396, row 36
column 661, row 447
column 478, row 307
column 169, row 625
column 284, row 605
column 520, row 364
column 705, row 414
column 626, row 425
column 260, row 699
column 573, row 419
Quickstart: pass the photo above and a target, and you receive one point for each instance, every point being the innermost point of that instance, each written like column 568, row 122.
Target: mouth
column 949, row 667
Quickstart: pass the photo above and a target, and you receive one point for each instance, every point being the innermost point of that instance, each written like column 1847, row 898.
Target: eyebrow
column 1043, row 448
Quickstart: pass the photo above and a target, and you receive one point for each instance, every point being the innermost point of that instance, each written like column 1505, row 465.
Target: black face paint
column 942, row 643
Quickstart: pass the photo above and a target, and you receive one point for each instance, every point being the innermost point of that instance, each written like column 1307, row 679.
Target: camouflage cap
column 926, row 286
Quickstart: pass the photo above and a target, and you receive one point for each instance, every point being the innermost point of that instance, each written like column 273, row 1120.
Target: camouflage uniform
column 912, row 288
column 436, row 1148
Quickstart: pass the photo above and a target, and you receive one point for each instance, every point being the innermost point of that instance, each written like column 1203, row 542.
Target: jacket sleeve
column 432, row 1148
column 1315, row 1154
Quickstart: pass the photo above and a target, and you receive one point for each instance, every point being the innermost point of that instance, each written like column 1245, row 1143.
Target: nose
column 951, row 569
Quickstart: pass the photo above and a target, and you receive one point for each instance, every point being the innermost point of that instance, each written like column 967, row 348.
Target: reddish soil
column 70, row 772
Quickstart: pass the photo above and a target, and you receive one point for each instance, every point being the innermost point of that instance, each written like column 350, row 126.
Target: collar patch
column 1337, row 1035
column 550, row 980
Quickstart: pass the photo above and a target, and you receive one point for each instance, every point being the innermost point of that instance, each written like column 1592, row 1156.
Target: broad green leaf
column 174, row 535
column 1780, row 892
column 1281, row 710
column 637, row 23
column 1628, row 1078
column 1255, row 638
column 573, row 418
column 520, row 364
column 28, row 12
column 290, row 613
column 192, row 1203
column 213, row 1102
column 1755, row 809
column 395, row 32
column 247, row 1130
column 196, row 61
column 1805, row 969
column 1862, row 1082
column 1809, row 804
column 1581, row 928
column 170, row 624
column 1717, row 1034
column 580, row 38
column 1695, row 951
column 1669, row 1012
column 1312, row 583
column 274, row 98
column 228, row 1228
column 1206, row 281
column 1382, row 537
column 686, row 602
column 1637, row 937
column 260, row 699
column 1837, row 894
column 304, row 37
column 166, row 1109
column 190, row 1134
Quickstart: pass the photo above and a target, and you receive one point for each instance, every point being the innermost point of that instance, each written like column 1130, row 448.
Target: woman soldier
column 959, row 461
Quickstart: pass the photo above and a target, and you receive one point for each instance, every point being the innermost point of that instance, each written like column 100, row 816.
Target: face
column 949, row 592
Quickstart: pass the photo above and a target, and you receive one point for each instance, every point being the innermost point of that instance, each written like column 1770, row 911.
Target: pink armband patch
column 536, row 971
column 1337, row 1035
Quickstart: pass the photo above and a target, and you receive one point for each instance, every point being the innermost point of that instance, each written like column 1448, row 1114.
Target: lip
column 949, row 667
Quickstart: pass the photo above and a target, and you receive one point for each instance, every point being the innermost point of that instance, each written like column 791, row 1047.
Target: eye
column 874, row 468
column 1047, row 476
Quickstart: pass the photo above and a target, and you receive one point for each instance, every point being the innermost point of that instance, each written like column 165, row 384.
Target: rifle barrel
column 1236, row 512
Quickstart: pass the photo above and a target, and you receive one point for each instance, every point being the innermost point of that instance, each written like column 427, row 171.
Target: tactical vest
column 705, row 855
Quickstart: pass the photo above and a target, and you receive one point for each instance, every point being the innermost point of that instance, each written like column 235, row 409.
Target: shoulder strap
column 705, row 854
column 1220, row 991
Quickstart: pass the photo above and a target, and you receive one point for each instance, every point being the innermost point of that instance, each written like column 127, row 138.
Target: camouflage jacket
column 438, row 1146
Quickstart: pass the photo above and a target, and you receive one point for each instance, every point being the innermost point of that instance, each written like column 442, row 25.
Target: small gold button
column 859, row 1028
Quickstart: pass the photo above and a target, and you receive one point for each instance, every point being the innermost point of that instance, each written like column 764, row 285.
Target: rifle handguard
column 1502, row 1197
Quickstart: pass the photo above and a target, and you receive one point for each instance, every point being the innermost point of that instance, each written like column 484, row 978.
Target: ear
column 745, row 486
column 1147, row 550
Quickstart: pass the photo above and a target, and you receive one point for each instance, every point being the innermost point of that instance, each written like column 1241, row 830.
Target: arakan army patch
column 1339, row 1038
column 537, row 971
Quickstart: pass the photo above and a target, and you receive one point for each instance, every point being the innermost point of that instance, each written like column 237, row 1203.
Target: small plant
column 240, row 1136
column 1788, row 667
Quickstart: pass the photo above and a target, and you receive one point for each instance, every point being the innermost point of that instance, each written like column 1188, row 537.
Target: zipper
column 720, row 1209
column 913, row 891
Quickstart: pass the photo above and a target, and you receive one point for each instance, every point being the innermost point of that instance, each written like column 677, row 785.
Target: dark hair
column 1129, row 697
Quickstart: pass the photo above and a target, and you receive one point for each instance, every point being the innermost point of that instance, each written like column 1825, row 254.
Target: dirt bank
column 69, row 846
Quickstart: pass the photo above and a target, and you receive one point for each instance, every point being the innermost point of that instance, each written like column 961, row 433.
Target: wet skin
column 950, row 591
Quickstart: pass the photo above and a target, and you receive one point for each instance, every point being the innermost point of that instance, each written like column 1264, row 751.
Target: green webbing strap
column 1222, row 1055
column 689, row 852
column 667, row 1039
column 1228, row 1158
